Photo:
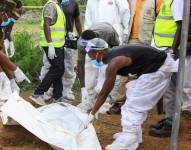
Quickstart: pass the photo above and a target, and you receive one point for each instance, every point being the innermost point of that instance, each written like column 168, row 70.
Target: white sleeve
column 177, row 8
column 124, row 12
column 88, row 19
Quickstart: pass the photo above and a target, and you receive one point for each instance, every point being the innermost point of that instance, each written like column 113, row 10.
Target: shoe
column 38, row 99
column 164, row 130
column 115, row 109
column 126, row 141
column 58, row 100
column 160, row 124
column 20, row 76
column 85, row 106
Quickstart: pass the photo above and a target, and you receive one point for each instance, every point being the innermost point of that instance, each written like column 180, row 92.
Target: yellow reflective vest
column 58, row 30
column 165, row 26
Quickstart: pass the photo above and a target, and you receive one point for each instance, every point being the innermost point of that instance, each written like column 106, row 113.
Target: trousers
column 170, row 95
column 144, row 95
column 54, row 75
column 69, row 76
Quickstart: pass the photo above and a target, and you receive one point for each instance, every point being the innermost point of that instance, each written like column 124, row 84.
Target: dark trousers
column 54, row 75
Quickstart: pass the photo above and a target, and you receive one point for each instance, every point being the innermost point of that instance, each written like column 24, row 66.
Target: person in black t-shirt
column 153, row 68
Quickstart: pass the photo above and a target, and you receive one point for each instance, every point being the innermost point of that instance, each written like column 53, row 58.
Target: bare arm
column 47, row 23
column 177, row 37
column 78, row 25
column 81, row 70
column 111, row 72
column 106, row 89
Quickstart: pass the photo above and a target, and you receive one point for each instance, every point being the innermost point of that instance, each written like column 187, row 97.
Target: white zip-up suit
column 116, row 13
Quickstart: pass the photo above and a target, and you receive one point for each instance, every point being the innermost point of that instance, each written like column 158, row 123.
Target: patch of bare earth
column 17, row 138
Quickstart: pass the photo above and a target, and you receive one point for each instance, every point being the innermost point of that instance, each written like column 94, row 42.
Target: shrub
column 28, row 56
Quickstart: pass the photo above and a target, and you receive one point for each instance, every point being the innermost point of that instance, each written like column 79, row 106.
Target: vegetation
column 42, row 2
column 28, row 56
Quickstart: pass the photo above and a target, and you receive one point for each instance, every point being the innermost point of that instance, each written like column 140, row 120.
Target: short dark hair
column 88, row 35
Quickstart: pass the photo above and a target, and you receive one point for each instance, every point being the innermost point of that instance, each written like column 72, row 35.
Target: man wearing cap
column 153, row 68
column 87, row 72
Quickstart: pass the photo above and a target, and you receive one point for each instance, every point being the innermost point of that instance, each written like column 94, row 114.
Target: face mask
column 6, row 23
column 65, row 2
column 97, row 64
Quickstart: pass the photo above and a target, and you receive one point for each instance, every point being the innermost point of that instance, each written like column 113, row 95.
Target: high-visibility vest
column 58, row 30
column 165, row 26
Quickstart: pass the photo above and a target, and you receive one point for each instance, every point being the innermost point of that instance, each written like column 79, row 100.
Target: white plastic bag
column 58, row 124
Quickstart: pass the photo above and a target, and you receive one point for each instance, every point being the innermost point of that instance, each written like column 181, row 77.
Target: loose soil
column 17, row 138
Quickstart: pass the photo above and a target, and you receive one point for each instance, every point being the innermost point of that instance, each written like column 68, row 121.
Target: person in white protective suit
column 153, row 68
column 94, row 76
column 115, row 12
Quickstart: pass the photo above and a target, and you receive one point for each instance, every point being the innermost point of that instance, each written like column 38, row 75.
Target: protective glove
column 89, row 120
column 20, row 76
column 51, row 51
column 12, row 49
column 84, row 94
column 6, row 44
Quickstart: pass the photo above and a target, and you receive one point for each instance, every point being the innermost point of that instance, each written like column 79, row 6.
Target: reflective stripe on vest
column 165, row 26
column 57, row 30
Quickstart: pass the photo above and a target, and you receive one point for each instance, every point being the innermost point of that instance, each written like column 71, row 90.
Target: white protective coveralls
column 141, row 98
column 117, row 13
column 58, row 124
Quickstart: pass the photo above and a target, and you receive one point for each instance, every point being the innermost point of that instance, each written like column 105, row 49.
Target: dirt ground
column 17, row 138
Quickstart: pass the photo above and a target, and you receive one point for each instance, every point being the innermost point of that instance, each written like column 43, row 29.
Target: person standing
column 72, row 14
column 168, row 39
column 52, row 40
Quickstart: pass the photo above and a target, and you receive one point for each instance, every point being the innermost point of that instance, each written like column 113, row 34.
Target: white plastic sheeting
column 58, row 124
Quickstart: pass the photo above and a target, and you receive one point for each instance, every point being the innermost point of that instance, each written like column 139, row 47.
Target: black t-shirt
column 145, row 59
column 71, row 12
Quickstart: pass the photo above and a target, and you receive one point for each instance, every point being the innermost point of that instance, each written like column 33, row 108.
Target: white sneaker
column 38, row 99
column 126, row 141
column 85, row 106
column 49, row 93
column 20, row 76
column 14, row 86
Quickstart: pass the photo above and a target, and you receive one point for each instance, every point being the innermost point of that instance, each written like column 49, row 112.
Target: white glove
column 88, row 120
column 51, row 51
column 12, row 49
column 20, row 76
column 6, row 44
column 84, row 94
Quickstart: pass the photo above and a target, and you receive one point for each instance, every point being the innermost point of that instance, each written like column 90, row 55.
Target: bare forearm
column 78, row 25
column 81, row 72
column 47, row 32
column 100, row 101
column 177, row 37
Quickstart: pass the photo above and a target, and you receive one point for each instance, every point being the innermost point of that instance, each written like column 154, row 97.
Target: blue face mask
column 6, row 23
column 65, row 2
column 97, row 64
